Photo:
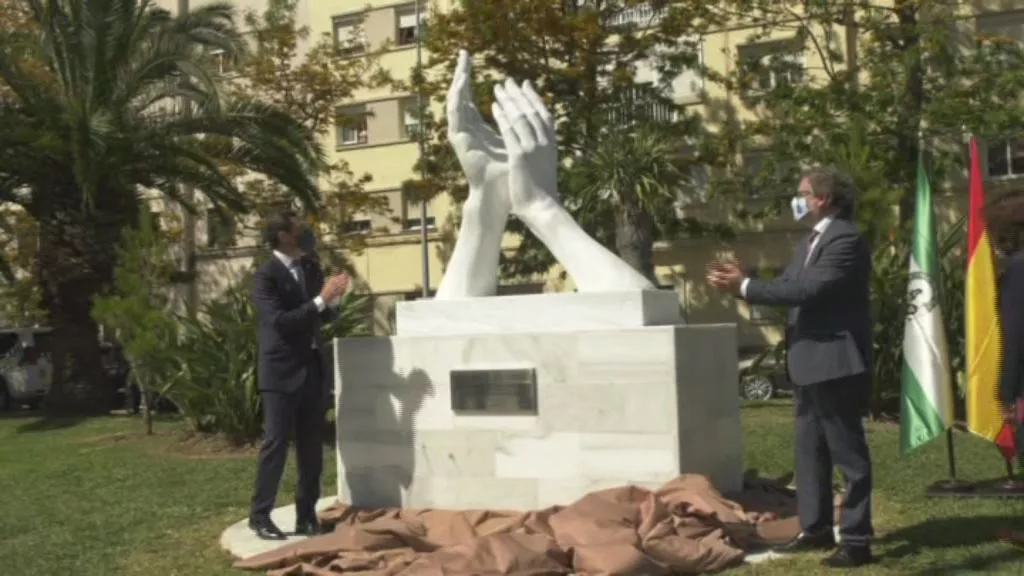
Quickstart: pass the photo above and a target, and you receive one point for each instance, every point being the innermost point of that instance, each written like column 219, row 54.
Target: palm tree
column 634, row 171
column 101, row 100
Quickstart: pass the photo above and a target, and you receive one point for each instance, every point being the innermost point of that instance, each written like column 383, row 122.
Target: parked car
column 762, row 374
column 124, row 395
column 26, row 368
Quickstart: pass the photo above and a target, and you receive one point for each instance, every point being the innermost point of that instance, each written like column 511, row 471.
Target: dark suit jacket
column 828, row 329
column 289, row 323
column 1011, row 320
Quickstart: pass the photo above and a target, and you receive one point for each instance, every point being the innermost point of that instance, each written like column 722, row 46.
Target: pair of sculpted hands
column 515, row 171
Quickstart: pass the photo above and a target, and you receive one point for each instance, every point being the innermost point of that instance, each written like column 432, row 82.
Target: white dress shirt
column 289, row 263
column 819, row 229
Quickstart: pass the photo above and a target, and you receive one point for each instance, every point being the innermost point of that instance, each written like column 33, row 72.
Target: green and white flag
column 927, row 391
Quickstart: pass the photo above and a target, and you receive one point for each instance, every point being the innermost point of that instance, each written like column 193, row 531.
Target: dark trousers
column 283, row 412
column 829, row 431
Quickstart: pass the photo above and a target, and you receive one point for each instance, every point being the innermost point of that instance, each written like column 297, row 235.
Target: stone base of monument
column 240, row 541
column 521, row 402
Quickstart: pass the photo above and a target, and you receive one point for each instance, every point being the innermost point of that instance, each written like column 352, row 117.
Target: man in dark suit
column 292, row 299
column 1011, row 321
column 828, row 344
column 1006, row 222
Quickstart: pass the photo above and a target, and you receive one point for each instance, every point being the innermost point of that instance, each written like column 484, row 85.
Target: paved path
column 242, row 543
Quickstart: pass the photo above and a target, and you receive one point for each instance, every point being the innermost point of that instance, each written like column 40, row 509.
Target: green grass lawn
column 97, row 498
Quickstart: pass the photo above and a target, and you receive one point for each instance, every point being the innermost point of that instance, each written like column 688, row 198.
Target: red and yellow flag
column 984, row 414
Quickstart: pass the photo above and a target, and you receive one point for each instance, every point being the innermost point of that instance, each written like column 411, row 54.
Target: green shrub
column 137, row 310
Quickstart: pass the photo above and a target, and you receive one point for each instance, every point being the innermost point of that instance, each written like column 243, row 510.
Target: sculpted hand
column 528, row 130
column 478, row 147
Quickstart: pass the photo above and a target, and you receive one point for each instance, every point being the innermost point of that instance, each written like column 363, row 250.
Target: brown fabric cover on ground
column 685, row 527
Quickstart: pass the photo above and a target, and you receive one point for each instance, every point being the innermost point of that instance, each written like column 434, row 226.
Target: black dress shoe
column 824, row 540
column 265, row 529
column 849, row 557
column 309, row 528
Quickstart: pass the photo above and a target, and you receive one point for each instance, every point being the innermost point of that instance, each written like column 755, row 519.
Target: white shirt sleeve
column 743, row 287
column 319, row 303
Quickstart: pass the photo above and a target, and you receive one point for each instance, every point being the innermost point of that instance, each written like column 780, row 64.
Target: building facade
column 378, row 133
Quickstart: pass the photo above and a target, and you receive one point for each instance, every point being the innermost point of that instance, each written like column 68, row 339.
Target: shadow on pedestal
column 387, row 403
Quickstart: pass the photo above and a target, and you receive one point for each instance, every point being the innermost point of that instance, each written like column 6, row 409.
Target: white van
column 26, row 369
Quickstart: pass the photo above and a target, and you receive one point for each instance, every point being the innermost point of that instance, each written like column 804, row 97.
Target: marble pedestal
column 625, row 393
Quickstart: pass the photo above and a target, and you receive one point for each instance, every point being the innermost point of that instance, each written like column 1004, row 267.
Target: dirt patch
column 210, row 446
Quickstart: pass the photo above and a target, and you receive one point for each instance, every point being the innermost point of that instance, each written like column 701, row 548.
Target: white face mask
column 799, row 206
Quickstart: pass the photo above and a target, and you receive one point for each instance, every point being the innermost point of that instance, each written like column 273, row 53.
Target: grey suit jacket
column 828, row 329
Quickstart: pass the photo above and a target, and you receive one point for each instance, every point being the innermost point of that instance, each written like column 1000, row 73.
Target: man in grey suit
column 828, row 345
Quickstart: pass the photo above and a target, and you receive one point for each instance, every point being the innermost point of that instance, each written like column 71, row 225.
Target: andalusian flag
column 927, row 395
column 984, row 416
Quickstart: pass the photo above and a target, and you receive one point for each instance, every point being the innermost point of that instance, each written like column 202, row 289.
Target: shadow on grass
column 956, row 532
column 20, row 414
column 765, row 404
column 48, row 423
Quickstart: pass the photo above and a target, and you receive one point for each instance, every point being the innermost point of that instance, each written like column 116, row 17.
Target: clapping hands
column 335, row 287
column 725, row 275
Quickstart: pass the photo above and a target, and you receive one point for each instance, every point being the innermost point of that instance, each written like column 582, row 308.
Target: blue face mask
column 307, row 241
column 799, row 206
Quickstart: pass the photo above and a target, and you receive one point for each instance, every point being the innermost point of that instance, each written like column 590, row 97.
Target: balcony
column 639, row 104
column 641, row 15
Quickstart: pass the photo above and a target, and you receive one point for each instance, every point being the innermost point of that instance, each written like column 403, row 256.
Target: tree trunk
column 634, row 239
column 77, row 255
column 147, row 410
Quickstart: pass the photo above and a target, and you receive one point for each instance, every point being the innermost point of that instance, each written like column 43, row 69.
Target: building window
column 688, row 86
column 222, row 64
column 414, row 223
column 352, row 127
column 410, row 119
column 411, row 211
column 764, row 176
column 1000, row 27
column 405, row 22
column 697, row 184
column 773, row 65
column 348, row 36
column 754, row 172
column 358, row 227
column 1005, row 158
column 220, row 233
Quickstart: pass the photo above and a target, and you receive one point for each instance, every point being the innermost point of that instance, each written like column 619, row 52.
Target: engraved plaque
column 499, row 392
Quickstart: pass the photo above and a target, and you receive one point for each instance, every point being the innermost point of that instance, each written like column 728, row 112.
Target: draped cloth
column 684, row 527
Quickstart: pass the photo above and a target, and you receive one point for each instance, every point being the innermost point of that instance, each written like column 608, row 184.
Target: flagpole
column 951, row 454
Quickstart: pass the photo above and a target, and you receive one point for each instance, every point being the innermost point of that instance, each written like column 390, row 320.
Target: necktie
column 299, row 277
column 296, row 269
column 810, row 245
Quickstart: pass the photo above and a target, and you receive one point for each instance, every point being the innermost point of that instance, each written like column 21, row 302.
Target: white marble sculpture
column 516, row 173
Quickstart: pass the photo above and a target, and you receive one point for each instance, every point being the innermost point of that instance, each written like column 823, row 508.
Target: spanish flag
column 984, row 414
